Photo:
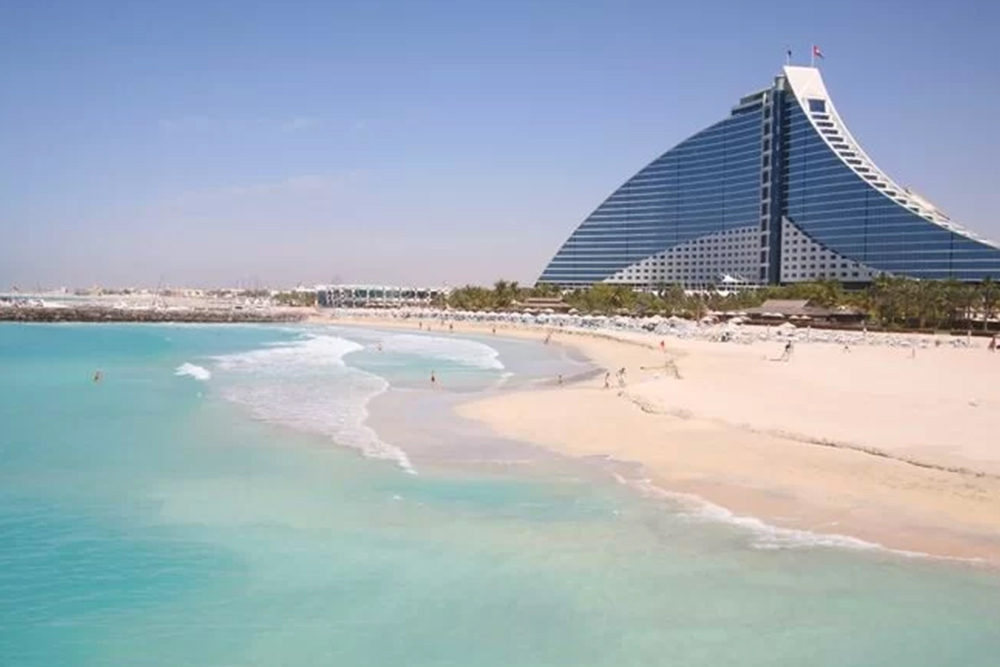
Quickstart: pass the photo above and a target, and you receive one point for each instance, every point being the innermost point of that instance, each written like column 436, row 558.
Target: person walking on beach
column 607, row 379
column 433, row 380
column 559, row 379
column 548, row 337
column 993, row 344
column 663, row 346
column 787, row 354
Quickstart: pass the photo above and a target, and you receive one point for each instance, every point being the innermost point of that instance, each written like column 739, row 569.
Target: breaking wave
column 457, row 350
column 305, row 384
column 191, row 370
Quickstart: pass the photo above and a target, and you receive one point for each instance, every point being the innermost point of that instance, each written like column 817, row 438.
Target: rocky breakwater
column 90, row 313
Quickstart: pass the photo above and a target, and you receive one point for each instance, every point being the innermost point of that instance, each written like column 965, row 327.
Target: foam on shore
column 766, row 536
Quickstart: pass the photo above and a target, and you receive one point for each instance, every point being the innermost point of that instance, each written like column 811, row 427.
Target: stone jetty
column 92, row 313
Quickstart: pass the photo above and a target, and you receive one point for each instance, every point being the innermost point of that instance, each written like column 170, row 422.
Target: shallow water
column 248, row 512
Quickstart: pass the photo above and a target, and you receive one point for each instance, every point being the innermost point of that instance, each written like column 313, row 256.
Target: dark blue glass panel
column 706, row 184
column 846, row 213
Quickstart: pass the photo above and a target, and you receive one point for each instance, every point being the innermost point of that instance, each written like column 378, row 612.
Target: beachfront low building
column 804, row 312
column 778, row 192
column 378, row 296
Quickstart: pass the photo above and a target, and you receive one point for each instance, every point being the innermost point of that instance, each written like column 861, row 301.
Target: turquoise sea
column 301, row 496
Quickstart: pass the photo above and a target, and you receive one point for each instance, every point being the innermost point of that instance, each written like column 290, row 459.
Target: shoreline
column 789, row 472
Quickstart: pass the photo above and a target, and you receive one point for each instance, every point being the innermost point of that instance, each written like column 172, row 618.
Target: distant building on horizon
column 377, row 296
column 779, row 192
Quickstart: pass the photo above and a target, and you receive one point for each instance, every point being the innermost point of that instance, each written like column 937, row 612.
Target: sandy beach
column 885, row 444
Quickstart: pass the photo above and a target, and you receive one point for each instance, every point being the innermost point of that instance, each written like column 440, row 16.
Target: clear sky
column 213, row 142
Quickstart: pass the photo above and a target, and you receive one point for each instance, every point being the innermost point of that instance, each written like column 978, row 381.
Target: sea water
column 232, row 496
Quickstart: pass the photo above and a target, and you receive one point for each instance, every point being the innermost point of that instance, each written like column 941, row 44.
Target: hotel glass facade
column 778, row 192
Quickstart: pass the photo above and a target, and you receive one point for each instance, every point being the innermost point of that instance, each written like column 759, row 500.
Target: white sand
column 915, row 461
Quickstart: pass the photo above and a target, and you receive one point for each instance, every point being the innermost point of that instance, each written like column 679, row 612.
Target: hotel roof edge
column 806, row 83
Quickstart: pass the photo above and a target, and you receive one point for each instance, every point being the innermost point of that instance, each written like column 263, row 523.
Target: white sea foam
column 191, row 370
column 457, row 350
column 310, row 352
column 305, row 384
column 764, row 536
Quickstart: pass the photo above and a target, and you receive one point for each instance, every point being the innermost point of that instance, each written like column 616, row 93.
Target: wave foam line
column 768, row 536
column 457, row 350
column 313, row 351
column 191, row 370
column 305, row 384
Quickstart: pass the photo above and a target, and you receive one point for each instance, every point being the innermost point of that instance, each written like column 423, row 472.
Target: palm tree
column 545, row 291
column 968, row 297
column 989, row 292
column 883, row 300
column 501, row 294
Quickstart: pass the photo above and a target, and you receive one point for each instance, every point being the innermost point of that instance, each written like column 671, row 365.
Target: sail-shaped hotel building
column 778, row 192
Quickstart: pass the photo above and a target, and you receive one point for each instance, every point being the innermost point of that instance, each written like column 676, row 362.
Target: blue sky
column 432, row 142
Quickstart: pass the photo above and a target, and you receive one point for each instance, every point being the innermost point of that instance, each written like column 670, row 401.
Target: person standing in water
column 97, row 376
column 433, row 379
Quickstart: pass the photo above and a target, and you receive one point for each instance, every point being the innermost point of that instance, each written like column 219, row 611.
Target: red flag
column 816, row 52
